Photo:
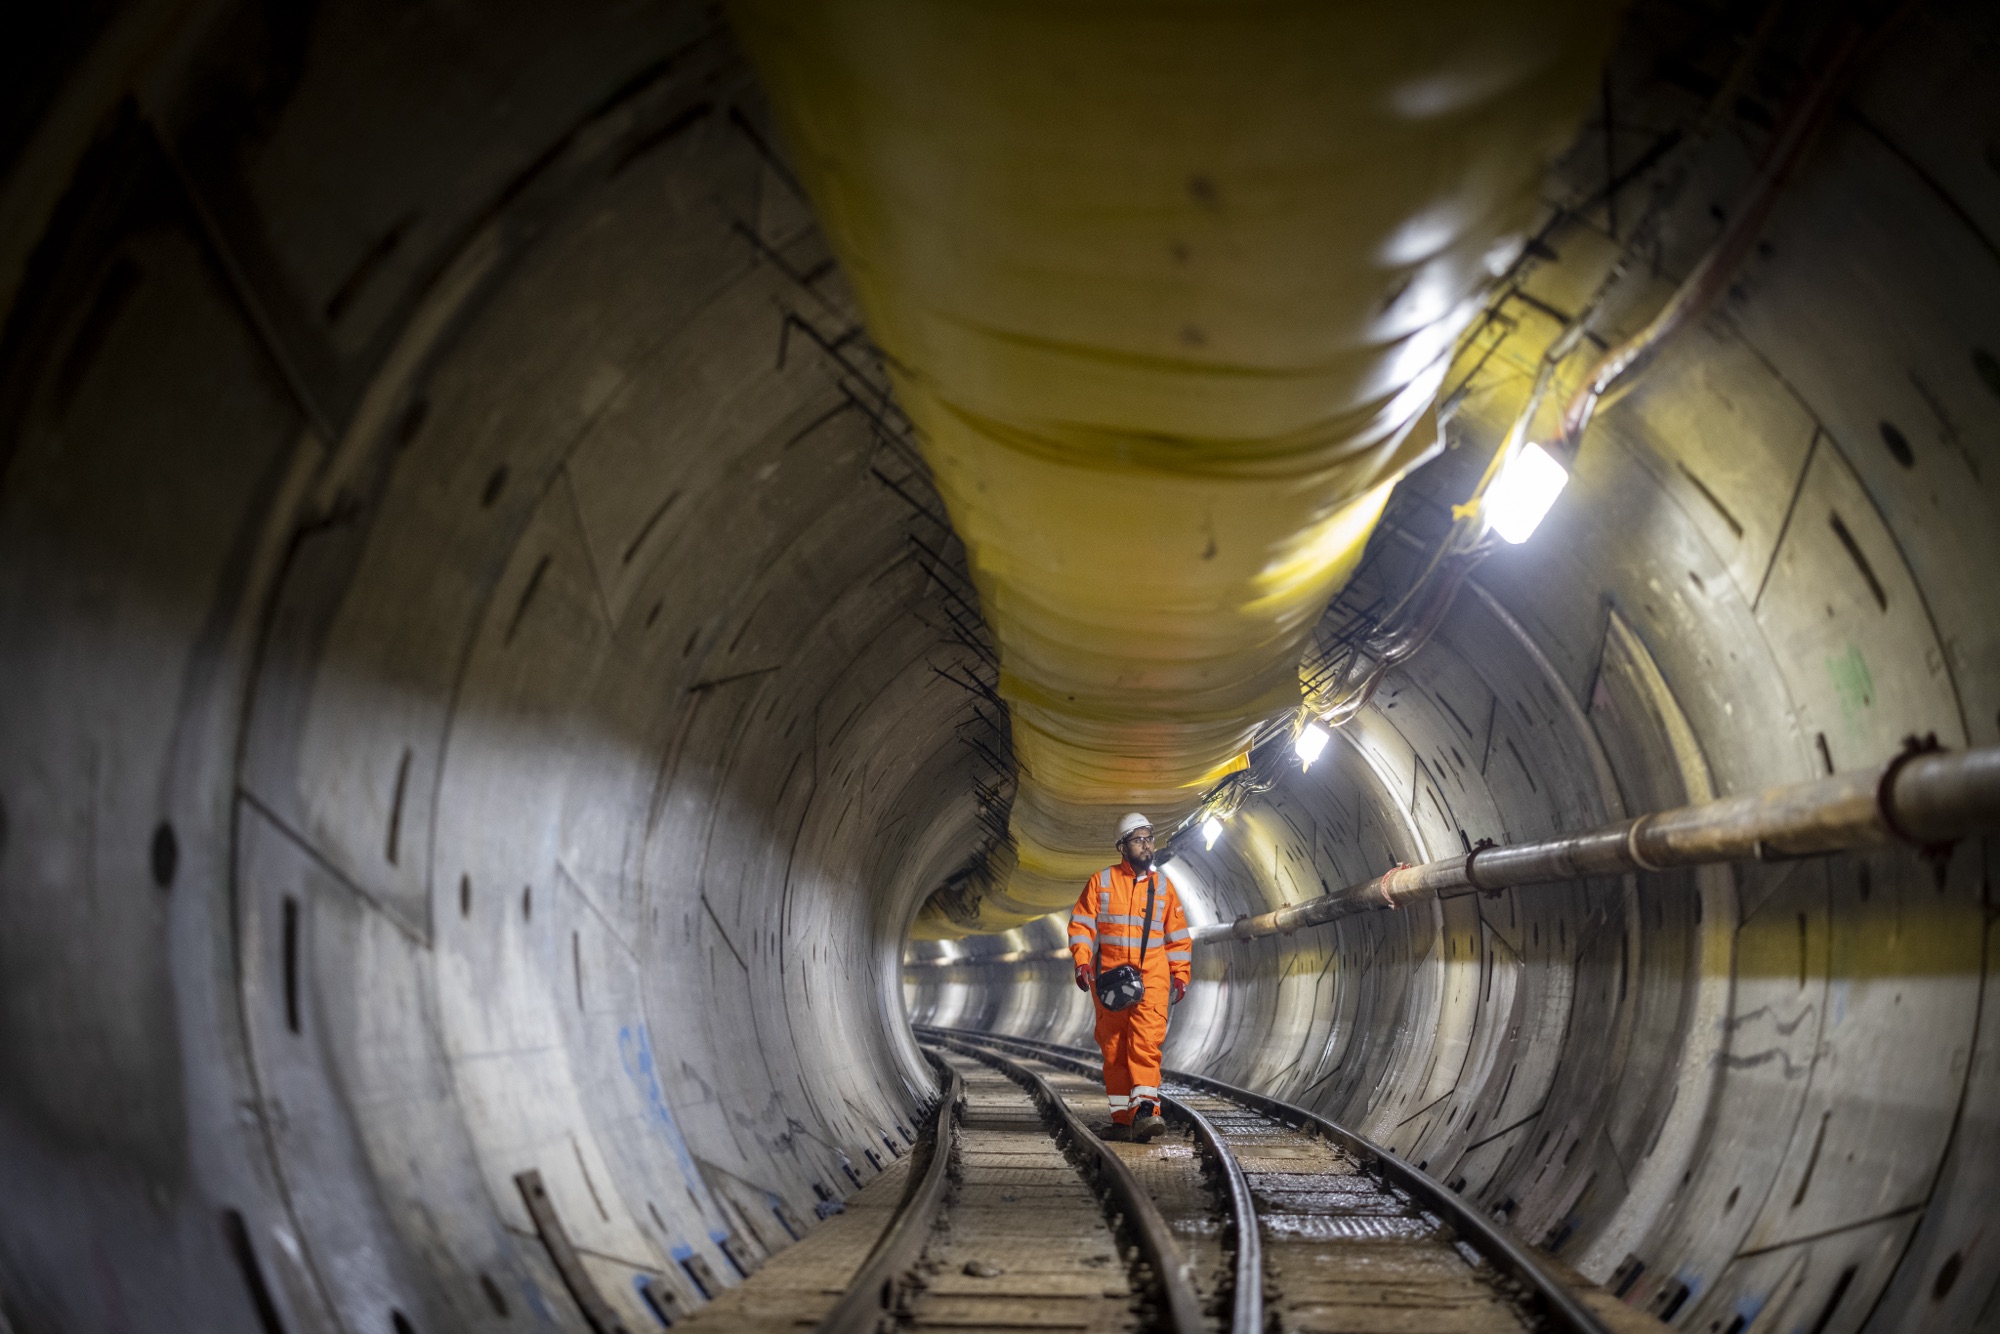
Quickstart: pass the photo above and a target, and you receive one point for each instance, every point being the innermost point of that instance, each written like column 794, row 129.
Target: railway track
column 1355, row 1238
column 1250, row 1216
column 1044, row 1228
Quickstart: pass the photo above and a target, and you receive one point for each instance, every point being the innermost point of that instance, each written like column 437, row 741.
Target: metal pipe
column 1923, row 798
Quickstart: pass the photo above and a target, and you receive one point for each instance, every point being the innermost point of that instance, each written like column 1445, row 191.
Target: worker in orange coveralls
column 1114, row 957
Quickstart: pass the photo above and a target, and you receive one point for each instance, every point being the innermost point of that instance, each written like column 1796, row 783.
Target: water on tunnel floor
column 487, row 686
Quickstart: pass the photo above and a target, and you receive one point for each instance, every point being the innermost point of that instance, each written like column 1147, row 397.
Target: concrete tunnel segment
column 473, row 636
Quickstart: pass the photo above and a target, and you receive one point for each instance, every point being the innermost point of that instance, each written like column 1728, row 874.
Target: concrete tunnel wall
column 472, row 645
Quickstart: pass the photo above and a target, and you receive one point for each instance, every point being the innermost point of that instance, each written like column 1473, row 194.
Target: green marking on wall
column 1853, row 684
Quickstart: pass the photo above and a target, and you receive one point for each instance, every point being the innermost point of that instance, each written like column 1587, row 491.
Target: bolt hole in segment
column 1167, row 293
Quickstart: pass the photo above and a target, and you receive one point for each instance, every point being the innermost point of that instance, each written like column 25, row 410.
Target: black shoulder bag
column 1125, row 986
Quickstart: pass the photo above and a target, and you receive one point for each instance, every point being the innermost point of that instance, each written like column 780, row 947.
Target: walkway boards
column 1019, row 1209
column 801, row 1283
column 1023, row 1246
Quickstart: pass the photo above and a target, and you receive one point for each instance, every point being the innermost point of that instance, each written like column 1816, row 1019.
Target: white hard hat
column 1130, row 823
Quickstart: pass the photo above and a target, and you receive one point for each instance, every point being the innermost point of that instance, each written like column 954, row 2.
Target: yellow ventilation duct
column 1167, row 290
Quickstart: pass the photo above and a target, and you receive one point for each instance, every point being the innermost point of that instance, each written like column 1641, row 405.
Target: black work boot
column 1147, row 1122
column 1115, row 1133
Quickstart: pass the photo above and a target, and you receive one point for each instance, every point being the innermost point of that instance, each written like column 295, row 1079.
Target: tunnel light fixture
column 1211, row 829
column 1311, row 741
column 1521, row 495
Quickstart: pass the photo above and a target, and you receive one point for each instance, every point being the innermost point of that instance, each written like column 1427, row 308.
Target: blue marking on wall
column 635, row 1050
column 778, row 1212
column 646, row 1300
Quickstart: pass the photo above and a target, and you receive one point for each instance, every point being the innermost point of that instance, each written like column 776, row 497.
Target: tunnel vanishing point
column 570, row 575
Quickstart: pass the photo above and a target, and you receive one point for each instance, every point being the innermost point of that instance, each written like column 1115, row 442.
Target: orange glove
column 1083, row 977
column 1175, row 990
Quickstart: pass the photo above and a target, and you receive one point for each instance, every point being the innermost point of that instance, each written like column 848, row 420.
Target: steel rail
column 1179, row 1305
column 1926, row 799
column 1246, row 1308
column 1246, row 1291
column 1556, row 1303
column 870, row 1298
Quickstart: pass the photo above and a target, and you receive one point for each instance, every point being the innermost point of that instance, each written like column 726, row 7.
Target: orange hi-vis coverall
column 1104, row 931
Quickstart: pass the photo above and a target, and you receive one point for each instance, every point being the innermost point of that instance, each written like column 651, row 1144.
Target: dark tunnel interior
column 488, row 686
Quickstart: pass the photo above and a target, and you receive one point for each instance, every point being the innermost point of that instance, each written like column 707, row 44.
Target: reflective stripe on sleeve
column 1181, row 934
column 1180, row 956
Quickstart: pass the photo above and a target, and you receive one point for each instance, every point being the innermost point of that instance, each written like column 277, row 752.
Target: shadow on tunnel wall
column 472, row 702
column 472, row 639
